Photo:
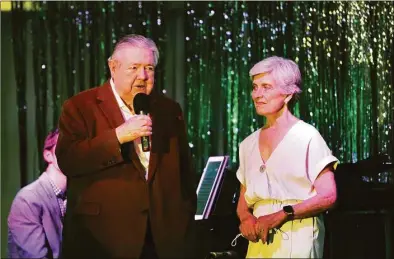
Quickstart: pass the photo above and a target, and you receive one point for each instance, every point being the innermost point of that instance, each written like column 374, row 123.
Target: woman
column 286, row 171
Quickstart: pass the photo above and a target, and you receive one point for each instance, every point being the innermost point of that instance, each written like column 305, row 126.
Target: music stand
column 209, row 185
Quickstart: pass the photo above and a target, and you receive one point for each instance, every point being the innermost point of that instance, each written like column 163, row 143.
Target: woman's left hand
column 267, row 222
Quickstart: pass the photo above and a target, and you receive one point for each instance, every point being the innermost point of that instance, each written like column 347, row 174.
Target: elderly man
column 125, row 202
column 35, row 220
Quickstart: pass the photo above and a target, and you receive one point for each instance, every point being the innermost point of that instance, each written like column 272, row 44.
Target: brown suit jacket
column 109, row 200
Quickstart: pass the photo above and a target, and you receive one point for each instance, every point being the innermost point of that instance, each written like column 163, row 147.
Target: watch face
column 288, row 209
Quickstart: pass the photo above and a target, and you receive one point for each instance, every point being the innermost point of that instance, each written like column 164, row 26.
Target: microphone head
column 141, row 103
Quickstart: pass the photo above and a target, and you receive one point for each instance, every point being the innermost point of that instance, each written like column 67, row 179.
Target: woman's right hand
column 248, row 229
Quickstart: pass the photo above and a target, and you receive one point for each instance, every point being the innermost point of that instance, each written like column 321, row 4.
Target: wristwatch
column 288, row 209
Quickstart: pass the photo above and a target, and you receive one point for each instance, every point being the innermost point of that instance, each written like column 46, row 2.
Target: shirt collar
column 58, row 192
column 119, row 100
column 117, row 96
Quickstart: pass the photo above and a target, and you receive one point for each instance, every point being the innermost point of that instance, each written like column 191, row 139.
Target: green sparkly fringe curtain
column 344, row 49
column 346, row 55
column 65, row 47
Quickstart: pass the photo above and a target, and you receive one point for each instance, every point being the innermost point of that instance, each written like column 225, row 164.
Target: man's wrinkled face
column 133, row 71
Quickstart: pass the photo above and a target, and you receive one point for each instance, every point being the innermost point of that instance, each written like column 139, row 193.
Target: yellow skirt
column 300, row 238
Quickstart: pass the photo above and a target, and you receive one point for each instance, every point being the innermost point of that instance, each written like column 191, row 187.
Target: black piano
column 361, row 225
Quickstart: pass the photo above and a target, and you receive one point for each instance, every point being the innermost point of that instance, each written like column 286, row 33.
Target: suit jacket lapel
column 154, row 154
column 157, row 138
column 110, row 108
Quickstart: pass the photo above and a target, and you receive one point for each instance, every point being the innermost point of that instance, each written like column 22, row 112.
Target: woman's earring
column 286, row 100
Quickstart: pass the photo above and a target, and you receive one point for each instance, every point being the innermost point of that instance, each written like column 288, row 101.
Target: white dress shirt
column 127, row 114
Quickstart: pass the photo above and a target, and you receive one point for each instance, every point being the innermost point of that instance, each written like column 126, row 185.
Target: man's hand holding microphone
column 138, row 126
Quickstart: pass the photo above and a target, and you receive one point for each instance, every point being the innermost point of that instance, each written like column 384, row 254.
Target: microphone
column 225, row 254
column 141, row 106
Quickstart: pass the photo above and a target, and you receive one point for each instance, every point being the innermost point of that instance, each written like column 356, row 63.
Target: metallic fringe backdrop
column 344, row 49
column 66, row 45
column 345, row 52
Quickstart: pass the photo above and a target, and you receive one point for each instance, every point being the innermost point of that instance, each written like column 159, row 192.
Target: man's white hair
column 285, row 72
column 139, row 41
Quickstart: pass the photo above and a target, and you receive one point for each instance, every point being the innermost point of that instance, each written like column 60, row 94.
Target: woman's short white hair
column 139, row 41
column 285, row 72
